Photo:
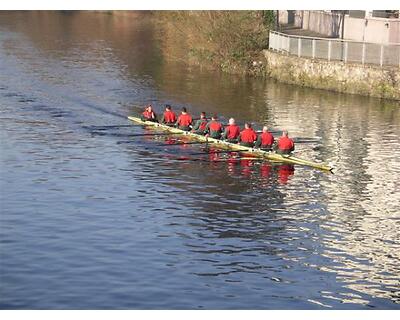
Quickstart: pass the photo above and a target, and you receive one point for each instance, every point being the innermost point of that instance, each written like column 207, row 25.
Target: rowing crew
column 215, row 129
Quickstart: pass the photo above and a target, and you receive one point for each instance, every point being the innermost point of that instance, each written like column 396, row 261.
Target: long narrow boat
column 236, row 147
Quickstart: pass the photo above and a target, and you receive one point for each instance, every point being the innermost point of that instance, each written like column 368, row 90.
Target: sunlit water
column 93, row 216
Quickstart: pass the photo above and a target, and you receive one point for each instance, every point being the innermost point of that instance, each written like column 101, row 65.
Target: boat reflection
column 284, row 173
column 247, row 167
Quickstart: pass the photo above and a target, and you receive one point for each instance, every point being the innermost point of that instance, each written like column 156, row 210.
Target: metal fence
column 336, row 49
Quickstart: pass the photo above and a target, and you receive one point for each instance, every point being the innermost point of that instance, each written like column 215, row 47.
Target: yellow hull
column 236, row 147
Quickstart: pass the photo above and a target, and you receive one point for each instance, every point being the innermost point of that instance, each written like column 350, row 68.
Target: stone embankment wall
column 366, row 80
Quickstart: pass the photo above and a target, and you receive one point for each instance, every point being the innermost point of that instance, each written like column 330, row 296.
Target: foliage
column 226, row 39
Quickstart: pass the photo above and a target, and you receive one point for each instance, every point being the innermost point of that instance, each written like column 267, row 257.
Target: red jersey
column 232, row 131
column 285, row 143
column 185, row 120
column 169, row 116
column 149, row 114
column 215, row 126
column 203, row 124
column 248, row 135
column 267, row 139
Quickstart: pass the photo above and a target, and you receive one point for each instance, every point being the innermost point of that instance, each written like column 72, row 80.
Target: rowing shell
column 237, row 147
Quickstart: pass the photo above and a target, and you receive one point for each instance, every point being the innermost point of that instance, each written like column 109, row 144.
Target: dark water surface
column 93, row 217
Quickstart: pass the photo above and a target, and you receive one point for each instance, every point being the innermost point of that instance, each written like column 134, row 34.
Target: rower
column 200, row 125
column 232, row 132
column 214, row 128
column 184, row 121
column 265, row 140
column 148, row 114
column 169, row 117
column 248, row 136
column 285, row 144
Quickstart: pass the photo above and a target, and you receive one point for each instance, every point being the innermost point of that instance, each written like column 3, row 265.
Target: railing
column 336, row 49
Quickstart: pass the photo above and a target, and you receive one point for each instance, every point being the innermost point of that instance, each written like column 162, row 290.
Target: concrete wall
column 368, row 29
column 394, row 31
column 355, row 29
column 326, row 23
column 337, row 76
column 378, row 30
column 322, row 22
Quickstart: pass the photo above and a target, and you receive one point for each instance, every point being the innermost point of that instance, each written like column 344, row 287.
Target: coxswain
column 148, row 114
column 214, row 128
column 232, row 132
column 184, row 121
column 169, row 117
column 248, row 136
column 285, row 144
column 265, row 140
column 200, row 125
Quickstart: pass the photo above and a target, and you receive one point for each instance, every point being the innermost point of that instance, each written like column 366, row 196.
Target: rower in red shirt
column 201, row 124
column 248, row 136
column 214, row 128
column 232, row 132
column 148, row 114
column 184, row 121
column 169, row 117
column 265, row 140
column 285, row 144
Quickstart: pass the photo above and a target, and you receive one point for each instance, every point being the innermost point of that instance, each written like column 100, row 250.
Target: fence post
column 381, row 58
column 363, row 54
column 313, row 48
column 299, row 47
column 346, row 49
column 287, row 44
column 272, row 42
column 329, row 50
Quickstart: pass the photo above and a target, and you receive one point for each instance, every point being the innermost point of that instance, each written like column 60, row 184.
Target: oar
column 218, row 152
column 181, row 143
column 142, row 135
column 305, row 140
column 211, row 152
column 107, row 127
column 237, row 159
column 127, row 135
column 151, row 134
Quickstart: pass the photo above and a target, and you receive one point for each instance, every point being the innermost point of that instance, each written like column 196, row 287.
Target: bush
column 225, row 39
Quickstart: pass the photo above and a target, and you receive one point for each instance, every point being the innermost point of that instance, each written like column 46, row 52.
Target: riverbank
column 236, row 42
column 226, row 40
column 367, row 80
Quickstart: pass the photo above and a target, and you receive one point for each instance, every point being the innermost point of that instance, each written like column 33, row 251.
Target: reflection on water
column 97, row 215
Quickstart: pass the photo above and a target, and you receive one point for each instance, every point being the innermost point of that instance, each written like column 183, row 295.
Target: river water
column 94, row 217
